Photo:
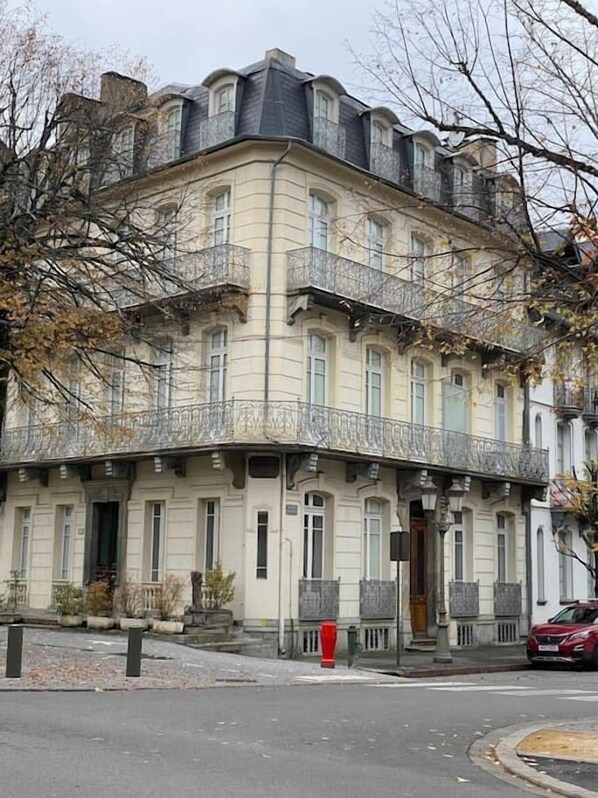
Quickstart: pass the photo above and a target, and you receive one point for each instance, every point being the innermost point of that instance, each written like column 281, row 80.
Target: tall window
column 123, row 150
column 217, row 365
column 313, row 536
column 212, row 533
column 456, row 416
column 317, row 363
column 157, row 521
column 379, row 133
column 221, row 218
column 66, row 541
column 565, row 564
column 461, row 179
column 261, row 570
column 323, row 105
column 458, row 271
column 458, row 548
column 374, row 387
column 116, row 383
column 590, row 445
column 541, row 587
column 502, row 548
column 538, row 431
column 24, row 541
column 73, row 389
column 173, row 131
column 376, row 243
column 162, row 376
column 167, row 232
column 372, row 539
column 225, row 99
column 418, row 392
column 563, row 448
column 418, row 259
column 420, row 155
column 500, row 412
column 319, row 222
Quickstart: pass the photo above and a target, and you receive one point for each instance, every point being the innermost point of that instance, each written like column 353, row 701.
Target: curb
column 430, row 671
column 508, row 758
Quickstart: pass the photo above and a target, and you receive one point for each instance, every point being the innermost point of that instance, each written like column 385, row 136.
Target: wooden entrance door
column 419, row 577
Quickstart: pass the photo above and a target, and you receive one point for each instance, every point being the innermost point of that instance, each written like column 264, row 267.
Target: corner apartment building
column 329, row 366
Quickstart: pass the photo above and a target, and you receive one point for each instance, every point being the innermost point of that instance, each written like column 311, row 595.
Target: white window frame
column 163, row 363
column 376, row 243
column 421, row 155
column 380, row 133
column 167, row 230
column 116, row 384
column 372, row 529
column 314, row 508
column 374, row 382
column 123, row 148
column 462, row 178
column 501, row 412
column 457, row 379
column 566, row 589
column 538, row 432
column 218, row 365
column 317, row 369
column 66, row 537
column 328, row 111
column 563, row 447
column 590, row 442
column 224, row 98
column 24, row 527
column 419, row 253
column 157, row 532
column 173, row 128
column 221, row 217
column 540, row 566
column 459, row 547
column 502, row 548
column 419, row 391
column 319, row 222
column 211, row 548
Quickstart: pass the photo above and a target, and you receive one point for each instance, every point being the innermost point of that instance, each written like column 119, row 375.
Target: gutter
column 526, row 506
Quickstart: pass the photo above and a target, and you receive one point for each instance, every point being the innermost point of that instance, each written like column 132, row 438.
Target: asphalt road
column 407, row 741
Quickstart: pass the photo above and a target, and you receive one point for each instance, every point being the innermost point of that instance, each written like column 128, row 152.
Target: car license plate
column 548, row 648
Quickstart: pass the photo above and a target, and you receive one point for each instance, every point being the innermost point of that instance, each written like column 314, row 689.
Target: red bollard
column 328, row 643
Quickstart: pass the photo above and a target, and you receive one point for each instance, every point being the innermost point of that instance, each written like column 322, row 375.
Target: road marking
column 587, row 697
column 404, row 685
column 338, row 677
column 533, row 691
column 479, row 688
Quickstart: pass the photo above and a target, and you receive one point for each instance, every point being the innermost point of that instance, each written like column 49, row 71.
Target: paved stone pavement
column 60, row 659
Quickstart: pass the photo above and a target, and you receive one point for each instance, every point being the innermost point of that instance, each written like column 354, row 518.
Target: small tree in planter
column 98, row 605
column 167, row 602
column 68, row 599
column 130, row 603
column 219, row 587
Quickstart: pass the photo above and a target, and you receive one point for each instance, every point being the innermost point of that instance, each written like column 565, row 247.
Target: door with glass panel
column 318, row 416
column 313, row 536
column 372, row 540
column 374, row 397
column 456, row 418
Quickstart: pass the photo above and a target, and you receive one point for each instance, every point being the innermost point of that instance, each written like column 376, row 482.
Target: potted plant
column 130, row 602
column 98, row 605
column 168, row 600
column 220, row 587
column 68, row 599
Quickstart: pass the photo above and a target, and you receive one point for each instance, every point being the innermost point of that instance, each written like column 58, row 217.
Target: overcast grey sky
column 186, row 39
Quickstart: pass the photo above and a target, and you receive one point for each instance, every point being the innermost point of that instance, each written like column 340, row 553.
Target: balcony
column 467, row 200
column 464, row 599
column 253, row 422
column 590, row 406
column 426, row 181
column 216, row 129
column 224, row 265
column 329, row 136
column 507, row 599
column 568, row 399
column 339, row 278
column 385, row 162
column 377, row 599
column 318, row 599
column 164, row 148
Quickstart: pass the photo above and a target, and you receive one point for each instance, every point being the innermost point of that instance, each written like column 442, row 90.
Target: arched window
column 376, row 243
column 323, row 105
column 317, row 369
column 380, row 132
column 500, row 412
column 374, row 382
column 173, row 129
column 418, row 392
column 538, row 431
column 314, row 521
column 319, row 222
column 456, row 403
column 372, row 539
column 221, row 216
column 563, row 447
column 217, row 365
column 421, row 156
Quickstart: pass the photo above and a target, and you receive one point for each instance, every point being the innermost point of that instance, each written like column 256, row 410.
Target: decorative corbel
column 362, row 469
column 296, row 305
column 235, row 461
column 533, row 492
column 117, row 469
column 300, row 462
column 176, row 464
column 70, row 471
column 32, row 474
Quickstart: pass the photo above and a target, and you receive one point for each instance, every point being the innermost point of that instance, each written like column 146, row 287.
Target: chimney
column 484, row 151
column 122, row 93
column 279, row 55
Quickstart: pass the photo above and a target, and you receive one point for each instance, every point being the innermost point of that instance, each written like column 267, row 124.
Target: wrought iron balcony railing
column 216, row 129
column 427, row 181
column 385, row 162
column 468, row 201
column 568, row 398
column 318, row 599
column 164, row 148
column 377, row 599
column 507, row 599
column 464, row 599
column 249, row 422
column 225, row 264
column 329, row 136
column 310, row 268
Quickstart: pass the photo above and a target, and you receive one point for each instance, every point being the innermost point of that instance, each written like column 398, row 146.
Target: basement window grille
column 376, row 638
column 311, row 641
column 507, row 632
column 465, row 634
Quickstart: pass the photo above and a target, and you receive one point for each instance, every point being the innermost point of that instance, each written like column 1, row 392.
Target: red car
column 570, row 637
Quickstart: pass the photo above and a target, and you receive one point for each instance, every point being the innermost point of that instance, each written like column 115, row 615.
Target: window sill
column 541, row 603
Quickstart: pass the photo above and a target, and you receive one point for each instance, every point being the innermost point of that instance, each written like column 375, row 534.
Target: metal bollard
column 134, row 653
column 14, row 652
column 352, row 646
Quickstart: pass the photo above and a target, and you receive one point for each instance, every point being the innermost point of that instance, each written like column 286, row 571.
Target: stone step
column 421, row 644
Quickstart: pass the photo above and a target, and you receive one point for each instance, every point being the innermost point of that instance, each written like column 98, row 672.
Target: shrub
column 168, row 595
column 130, row 599
column 68, row 599
column 219, row 586
column 98, row 598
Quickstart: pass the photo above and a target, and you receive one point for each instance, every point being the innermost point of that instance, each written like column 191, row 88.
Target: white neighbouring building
column 294, row 414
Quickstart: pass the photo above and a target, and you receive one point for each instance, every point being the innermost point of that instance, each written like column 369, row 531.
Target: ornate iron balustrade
column 464, row 599
column 568, row 398
column 427, row 181
column 225, row 264
column 590, row 404
column 377, row 599
column 195, row 427
column 318, row 599
column 329, row 136
column 310, row 268
column 507, row 599
column 467, row 200
column 164, row 148
column 385, row 162
column 216, row 129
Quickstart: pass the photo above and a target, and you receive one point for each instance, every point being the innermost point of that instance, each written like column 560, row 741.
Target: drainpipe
column 275, row 165
column 527, row 510
column 281, row 538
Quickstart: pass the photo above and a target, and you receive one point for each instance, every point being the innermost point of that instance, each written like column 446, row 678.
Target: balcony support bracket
column 32, row 474
column 359, row 469
column 68, row 471
column 178, row 465
column 300, row 462
column 118, row 469
column 235, row 461
column 499, row 489
column 536, row 492
column 410, row 480
column 296, row 305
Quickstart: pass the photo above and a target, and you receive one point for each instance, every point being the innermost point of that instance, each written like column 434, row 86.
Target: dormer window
column 323, row 105
column 464, row 197
column 225, row 99
column 172, row 129
column 426, row 180
column 384, row 160
column 220, row 125
column 123, row 150
column 327, row 133
column 381, row 133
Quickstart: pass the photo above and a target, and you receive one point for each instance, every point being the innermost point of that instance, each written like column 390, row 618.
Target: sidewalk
column 562, row 758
